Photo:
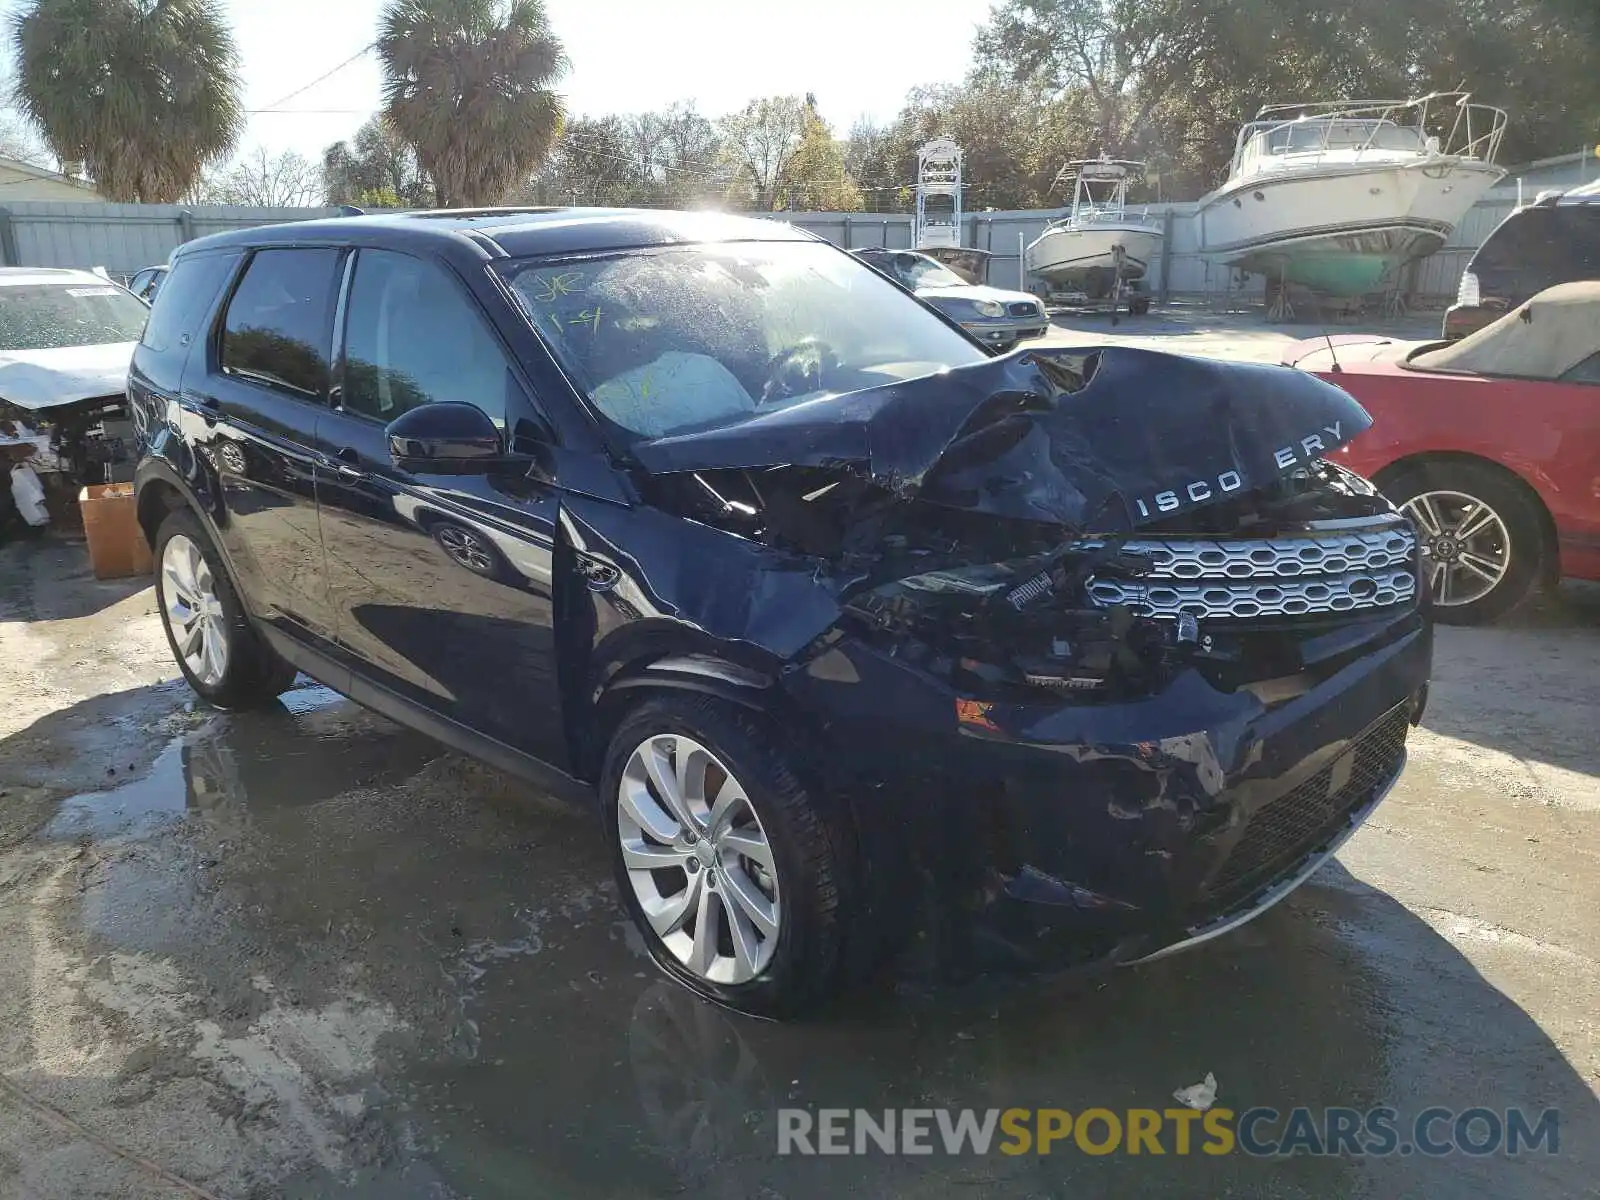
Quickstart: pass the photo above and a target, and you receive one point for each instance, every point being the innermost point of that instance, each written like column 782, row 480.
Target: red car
column 1490, row 444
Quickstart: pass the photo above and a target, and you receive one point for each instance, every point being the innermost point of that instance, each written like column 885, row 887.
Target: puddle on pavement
column 313, row 746
column 593, row 1076
column 544, row 1055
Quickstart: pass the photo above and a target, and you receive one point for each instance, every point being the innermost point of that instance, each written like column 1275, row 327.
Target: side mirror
column 446, row 438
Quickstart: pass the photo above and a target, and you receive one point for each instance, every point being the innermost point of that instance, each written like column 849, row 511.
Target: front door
column 441, row 583
column 252, row 414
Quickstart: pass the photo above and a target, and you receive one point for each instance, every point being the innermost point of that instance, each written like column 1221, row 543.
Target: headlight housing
column 989, row 308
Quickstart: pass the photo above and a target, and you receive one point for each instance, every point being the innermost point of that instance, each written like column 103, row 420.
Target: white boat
column 1099, row 244
column 1339, row 197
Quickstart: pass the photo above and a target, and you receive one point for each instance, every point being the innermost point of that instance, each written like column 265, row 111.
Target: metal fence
column 126, row 237
column 122, row 238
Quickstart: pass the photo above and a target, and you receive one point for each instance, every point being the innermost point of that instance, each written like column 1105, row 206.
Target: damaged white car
column 66, row 338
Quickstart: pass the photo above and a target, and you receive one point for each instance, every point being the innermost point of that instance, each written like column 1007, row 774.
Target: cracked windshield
column 929, row 599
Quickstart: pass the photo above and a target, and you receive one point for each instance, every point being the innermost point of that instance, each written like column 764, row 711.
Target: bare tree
column 264, row 180
column 758, row 141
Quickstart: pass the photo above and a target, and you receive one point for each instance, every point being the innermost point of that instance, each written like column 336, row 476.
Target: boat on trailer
column 1098, row 248
column 1338, row 197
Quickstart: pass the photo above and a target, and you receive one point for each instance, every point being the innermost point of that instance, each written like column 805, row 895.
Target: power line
column 306, row 88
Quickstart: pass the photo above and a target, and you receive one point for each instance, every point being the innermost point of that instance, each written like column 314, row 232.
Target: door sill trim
column 332, row 674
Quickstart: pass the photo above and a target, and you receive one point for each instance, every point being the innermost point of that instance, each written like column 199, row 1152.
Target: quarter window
column 280, row 321
column 183, row 306
column 414, row 337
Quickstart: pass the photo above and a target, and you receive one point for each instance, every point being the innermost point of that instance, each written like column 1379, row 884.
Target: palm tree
column 144, row 93
column 468, row 84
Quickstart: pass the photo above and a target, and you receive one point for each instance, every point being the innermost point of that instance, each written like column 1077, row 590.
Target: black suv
column 1554, row 240
column 856, row 629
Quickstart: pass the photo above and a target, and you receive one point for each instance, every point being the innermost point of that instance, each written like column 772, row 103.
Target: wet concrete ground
column 306, row 953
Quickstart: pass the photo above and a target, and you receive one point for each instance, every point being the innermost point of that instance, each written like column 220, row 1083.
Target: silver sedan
column 994, row 316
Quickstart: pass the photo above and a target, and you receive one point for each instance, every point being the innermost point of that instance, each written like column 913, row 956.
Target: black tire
column 811, row 847
column 255, row 675
column 1517, row 510
column 1140, row 306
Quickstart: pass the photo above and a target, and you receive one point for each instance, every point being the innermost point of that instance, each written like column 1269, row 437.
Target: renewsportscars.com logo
column 1258, row 1132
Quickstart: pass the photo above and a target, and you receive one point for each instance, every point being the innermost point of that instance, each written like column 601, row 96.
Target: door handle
column 345, row 463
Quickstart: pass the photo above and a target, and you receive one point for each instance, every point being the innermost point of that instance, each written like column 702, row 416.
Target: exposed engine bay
column 1000, row 546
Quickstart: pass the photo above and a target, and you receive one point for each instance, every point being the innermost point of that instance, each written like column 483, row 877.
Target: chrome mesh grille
column 1317, row 572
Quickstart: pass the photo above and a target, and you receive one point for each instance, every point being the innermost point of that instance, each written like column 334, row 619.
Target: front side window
column 280, row 320
column 669, row 340
column 414, row 337
column 52, row 316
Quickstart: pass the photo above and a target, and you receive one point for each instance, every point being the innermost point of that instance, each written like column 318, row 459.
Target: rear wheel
column 219, row 652
column 736, row 875
column 1480, row 536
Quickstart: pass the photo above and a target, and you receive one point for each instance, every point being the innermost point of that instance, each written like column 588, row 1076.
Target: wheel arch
column 1550, row 556
column 157, row 498
column 660, row 661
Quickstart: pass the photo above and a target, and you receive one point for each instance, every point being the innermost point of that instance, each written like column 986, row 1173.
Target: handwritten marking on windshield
column 589, row 317
column 551, row 288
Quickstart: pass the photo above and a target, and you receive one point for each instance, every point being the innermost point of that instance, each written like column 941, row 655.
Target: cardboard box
column 117, row 547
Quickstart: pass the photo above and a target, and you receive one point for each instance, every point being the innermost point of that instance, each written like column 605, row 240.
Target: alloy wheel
column 193, row 611
column 698, row 860
column 1466, row 546
column 466, row 548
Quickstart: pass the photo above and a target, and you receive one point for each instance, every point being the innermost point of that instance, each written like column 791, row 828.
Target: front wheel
column 1479, row 534
column 218, row 650
column 736, row 875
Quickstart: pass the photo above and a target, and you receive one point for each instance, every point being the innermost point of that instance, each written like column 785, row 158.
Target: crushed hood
column 1102, row 439
column 41, row 379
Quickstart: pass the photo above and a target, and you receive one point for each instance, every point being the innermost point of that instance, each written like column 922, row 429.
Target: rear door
column 253, row 411
column 441, row 583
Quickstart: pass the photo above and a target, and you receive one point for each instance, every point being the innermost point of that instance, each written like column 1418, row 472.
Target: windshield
column 669, row 340
column 1344, row 135
column 49, row 316
column 915, row 271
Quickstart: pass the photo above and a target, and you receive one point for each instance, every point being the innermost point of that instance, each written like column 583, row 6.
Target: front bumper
column 1047, row 835
column 1003, row 332
column 1199, row 934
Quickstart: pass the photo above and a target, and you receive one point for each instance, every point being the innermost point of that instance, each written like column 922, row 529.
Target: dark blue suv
column 857, row 630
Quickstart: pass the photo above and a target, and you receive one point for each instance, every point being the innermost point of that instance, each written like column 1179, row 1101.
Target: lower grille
column 1021, row 308
column 1284, row 831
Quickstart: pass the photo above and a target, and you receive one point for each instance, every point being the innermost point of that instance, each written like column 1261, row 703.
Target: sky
column 860, row 57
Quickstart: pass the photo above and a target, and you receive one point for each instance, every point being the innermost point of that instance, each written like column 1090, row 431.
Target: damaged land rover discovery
column 1054, row 657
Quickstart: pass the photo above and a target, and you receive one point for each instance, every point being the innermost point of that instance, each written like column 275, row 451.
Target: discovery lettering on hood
column 1104, row 439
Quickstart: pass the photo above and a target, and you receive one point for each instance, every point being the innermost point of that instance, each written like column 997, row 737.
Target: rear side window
column 280, row 320
column 180, row 307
